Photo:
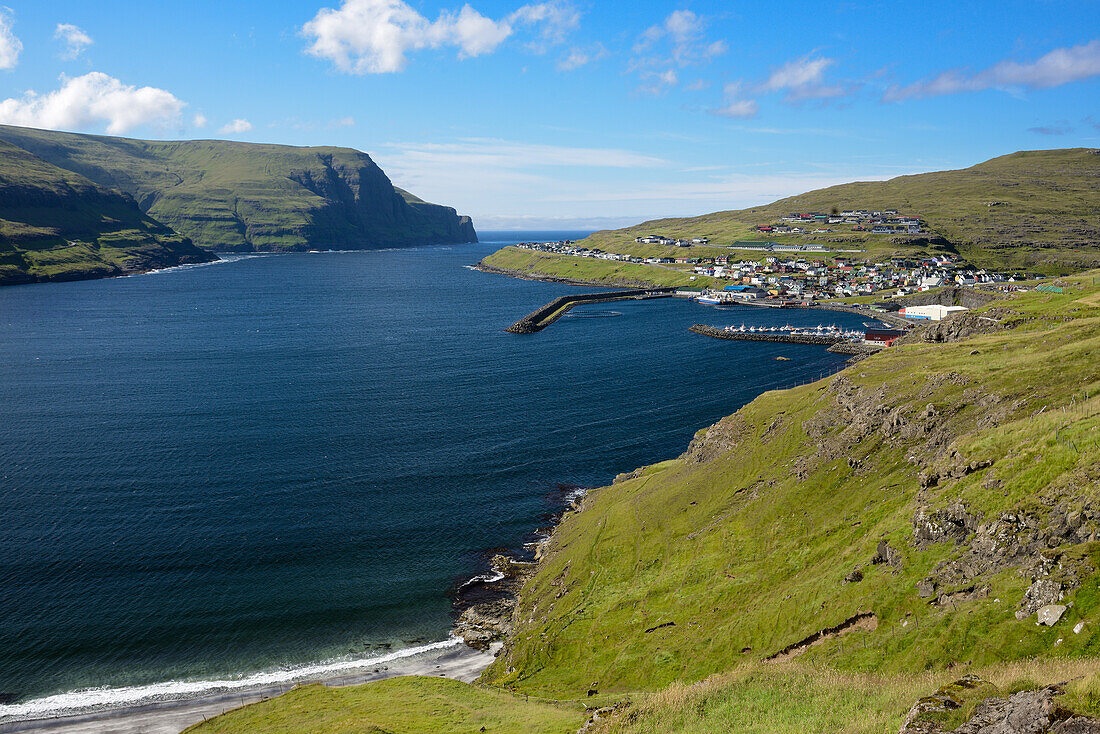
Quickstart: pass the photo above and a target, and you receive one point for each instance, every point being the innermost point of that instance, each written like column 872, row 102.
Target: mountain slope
column 58, row 225
column 246, row 196
column 1031, row 210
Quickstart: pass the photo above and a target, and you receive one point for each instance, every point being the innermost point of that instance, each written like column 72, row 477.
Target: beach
column 455, row 660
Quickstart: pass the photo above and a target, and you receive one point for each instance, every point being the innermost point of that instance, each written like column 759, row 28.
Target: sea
column 283, row 465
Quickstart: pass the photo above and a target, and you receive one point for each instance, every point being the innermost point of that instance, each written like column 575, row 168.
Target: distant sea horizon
column 270, row 465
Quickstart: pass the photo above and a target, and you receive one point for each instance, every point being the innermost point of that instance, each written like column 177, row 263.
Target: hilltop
column 231, row 196
column 1031, row 210
column 58, row 225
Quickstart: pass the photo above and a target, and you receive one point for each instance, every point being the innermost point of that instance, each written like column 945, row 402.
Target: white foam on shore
column 98, row 699
column 222, row 260
column 485, row 578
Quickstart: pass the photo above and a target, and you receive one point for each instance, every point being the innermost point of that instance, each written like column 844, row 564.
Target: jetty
column 755, row 336
column 542, row 317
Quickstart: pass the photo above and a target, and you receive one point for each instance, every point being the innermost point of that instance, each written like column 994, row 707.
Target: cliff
column 232, row 196
column 58, row 225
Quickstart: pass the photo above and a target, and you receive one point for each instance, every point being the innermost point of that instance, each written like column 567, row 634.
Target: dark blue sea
column 289, row 460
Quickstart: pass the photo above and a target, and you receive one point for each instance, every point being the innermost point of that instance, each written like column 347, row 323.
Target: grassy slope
column 530, row 263
column 58, row 225
column 409, row 705
column 1049, row 218
column 747, row 552
column 242, row 196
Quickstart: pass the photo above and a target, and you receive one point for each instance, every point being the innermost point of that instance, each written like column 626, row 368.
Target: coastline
column 450, row 658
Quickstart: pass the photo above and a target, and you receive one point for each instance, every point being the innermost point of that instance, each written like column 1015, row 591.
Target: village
column 792, row 276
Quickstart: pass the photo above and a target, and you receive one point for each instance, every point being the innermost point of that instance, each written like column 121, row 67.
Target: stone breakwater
column 542, row 317
column 747, row 336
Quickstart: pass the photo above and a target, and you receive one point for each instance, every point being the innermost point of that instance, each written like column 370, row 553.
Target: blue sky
column 573, row 114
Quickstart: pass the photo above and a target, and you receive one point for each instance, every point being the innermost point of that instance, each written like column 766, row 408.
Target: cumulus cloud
column 236, row 126
column 92, row 99
column 10, row 46
column 376, row 36
column 74, row 38
column 676, row 42
column 199, row 120
column 1058, row 67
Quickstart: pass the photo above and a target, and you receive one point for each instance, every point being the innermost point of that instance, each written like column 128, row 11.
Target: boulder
column 1051, row 613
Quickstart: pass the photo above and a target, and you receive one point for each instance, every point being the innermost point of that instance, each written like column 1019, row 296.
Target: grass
column 1046, row 218
column 592, row 271
column 245, row 196
column 58, row 225
column 797, row 699
column 407, row 705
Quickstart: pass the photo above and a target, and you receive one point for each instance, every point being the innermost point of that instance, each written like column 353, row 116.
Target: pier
column 749, row 336
column 540, row 318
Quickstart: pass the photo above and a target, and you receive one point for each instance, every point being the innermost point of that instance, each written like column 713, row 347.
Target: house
column 885, row 337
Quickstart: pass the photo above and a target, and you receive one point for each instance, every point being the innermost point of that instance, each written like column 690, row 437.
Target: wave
column 483, row 578
column 222, row 260
column 89, row 700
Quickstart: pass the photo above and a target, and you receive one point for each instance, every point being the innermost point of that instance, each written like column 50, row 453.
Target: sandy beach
column 171, row 717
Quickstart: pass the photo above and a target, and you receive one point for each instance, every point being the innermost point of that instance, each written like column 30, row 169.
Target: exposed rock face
column 717, row 440
column 1038, row 545
column 1026, row 712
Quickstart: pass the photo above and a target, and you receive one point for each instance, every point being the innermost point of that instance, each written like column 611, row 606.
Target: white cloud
column 684, row 44
column 10, row 46
column 1058, row 67
column 737, row 108
column 74, row 38
column 578, row 57
column 736, row 105
column 90, row 99
column 199, row 120
column 376, row 36
column 798, row 73
column 803, row 79
column 555, row 20
column 683, row 29
column 236, row 126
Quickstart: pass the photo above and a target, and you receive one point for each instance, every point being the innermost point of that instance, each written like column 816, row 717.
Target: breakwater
column 542, row 317
column 748, row 336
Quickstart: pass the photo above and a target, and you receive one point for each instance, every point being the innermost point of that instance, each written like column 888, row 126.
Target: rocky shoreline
column 484, row 605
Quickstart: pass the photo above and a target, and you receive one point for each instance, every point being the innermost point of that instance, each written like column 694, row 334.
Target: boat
column 709, row 300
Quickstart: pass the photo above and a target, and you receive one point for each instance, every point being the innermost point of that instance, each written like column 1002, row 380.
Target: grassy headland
column 830, row 553
column 245, row 196
column 58, row 225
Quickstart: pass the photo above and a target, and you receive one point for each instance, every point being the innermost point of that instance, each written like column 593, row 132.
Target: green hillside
column 58, row 225
column 245, row 196
column 1032, row 210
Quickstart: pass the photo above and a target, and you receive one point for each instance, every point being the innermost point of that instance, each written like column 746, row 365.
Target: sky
column 568, row 114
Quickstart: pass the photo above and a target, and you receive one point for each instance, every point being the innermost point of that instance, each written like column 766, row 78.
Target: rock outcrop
column 1025, row 712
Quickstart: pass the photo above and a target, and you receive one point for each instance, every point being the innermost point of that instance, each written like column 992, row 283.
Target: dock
column 542, row 317
column 749, row 336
